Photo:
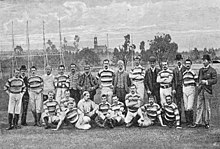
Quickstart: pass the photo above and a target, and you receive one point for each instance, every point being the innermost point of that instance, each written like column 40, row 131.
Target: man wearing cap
column 48, row 79
column 150, row 80
column 121, row 82
column 74, row 78
column 165, row 77
column 87, row 82
column 137, row 77
column 106, row 78
column 207, row 78
column 25, row 98
column 178, row 82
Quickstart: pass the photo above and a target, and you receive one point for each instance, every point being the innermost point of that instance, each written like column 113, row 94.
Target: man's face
column 33, row 71
column 71, row 105
column 50, row 96
column 61, row 70
column 115, row 99
column 23, row 72
column 67, row 94
column 73, row 68
column 87, row 70
column 137, row 62
column 104, row 99
column 165, row 65
column 168, row 100
column 106, row 64
column 121, row 67
column 48, row 71
column 152, row 64
column 133, row 89
column 87, row 97
column 179, row 63
column 205, row 62
column 16, row 74
column 151, row 100
column 188, row 64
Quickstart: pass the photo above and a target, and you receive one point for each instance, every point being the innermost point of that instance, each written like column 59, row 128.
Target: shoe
column 111, row 124
column 38, row 124
column 17, row 127
column 128, row 125
column 207, row 126
column 47, row 127
column 24, row 124
column 194, row 126
column 10, row 127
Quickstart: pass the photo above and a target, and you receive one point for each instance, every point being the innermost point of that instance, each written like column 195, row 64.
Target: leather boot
column 187, row 117
column 35, row 118
column 10, row 118
column 16, row 119
column 46, row 123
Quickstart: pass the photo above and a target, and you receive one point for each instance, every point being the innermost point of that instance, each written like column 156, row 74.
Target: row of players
column 109, row 115
column 180, row 82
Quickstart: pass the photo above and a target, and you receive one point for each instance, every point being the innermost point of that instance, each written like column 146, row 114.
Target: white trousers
column 140, row 89
column 36, row 101
column 188, row 97
column 60, row 94
column 14, row 104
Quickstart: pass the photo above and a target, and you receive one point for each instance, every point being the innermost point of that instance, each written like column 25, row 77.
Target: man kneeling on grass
column 117, row 109
column 87, row 111
column 103, row 118
column 151, row 112
column 51, row 114
column 171, row 115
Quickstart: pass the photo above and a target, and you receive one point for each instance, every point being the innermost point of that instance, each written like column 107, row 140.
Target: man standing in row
column 48, row 79
column 207, row 78
column 106, row 78
column 25, row 98
column 61, row 83
column 177, row 84
column 150, row 80
column 137, row 77
column 74, row 77
column 88, row 82
column 121, row 82
column 165, row 78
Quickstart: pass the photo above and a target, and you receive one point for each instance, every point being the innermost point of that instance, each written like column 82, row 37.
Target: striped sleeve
column 7, row 85
column 177, row 115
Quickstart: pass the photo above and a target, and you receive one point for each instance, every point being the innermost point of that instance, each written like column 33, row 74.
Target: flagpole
column 28, row 47
column 107, row 46
column 132, row 62
column 61, row 51
column 13, row 46
column 44, row 48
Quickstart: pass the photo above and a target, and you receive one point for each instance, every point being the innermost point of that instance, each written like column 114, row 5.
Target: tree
column 195, row 54
column 88, row 56
column 162, row 47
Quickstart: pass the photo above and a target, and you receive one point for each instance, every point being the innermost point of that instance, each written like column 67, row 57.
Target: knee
column 86, row 119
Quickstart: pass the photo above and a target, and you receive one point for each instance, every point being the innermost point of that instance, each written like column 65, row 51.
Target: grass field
column 121, row 137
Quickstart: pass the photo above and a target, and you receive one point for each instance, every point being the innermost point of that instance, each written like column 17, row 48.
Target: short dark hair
column 33, row 67
column 72, row 64
column 61, row 66
column 169, row 96
column 106, row 60
column 151, row 96
column 189, row 60
column 133, row 85
column 104, row 95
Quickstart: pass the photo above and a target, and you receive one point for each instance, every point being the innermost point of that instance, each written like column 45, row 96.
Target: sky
column 191, row 23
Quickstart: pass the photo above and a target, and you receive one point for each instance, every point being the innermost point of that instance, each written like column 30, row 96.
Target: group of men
column 69, row 99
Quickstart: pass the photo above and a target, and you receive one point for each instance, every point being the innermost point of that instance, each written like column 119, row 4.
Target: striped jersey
column 51, row 107
column 133, row 98
column 65, row 103
column 72, row 115
column 189, row 78
column 104, row 108
column 137, row 74
column 152, row 111
column 35, row 83
column 48, row 83
column 117, row 108
column 164, row 77
column 106, row 77
column 62, row 81
column 171, row 113
column 15, row 85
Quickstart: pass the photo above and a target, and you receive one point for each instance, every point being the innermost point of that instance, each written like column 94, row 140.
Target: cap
column 178, row 57
column 120, row 62
column 206, row 57
column 137, row 57
column 152, row 59
column 23, row 67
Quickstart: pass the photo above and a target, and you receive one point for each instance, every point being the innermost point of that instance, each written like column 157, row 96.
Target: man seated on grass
column 151, row 113
column 87, row 111
column 69, row 114
column 103, row 118
column 117, row 109
column 133, row 103
column 51, row 114
column 171, row 115
column 64, row 102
